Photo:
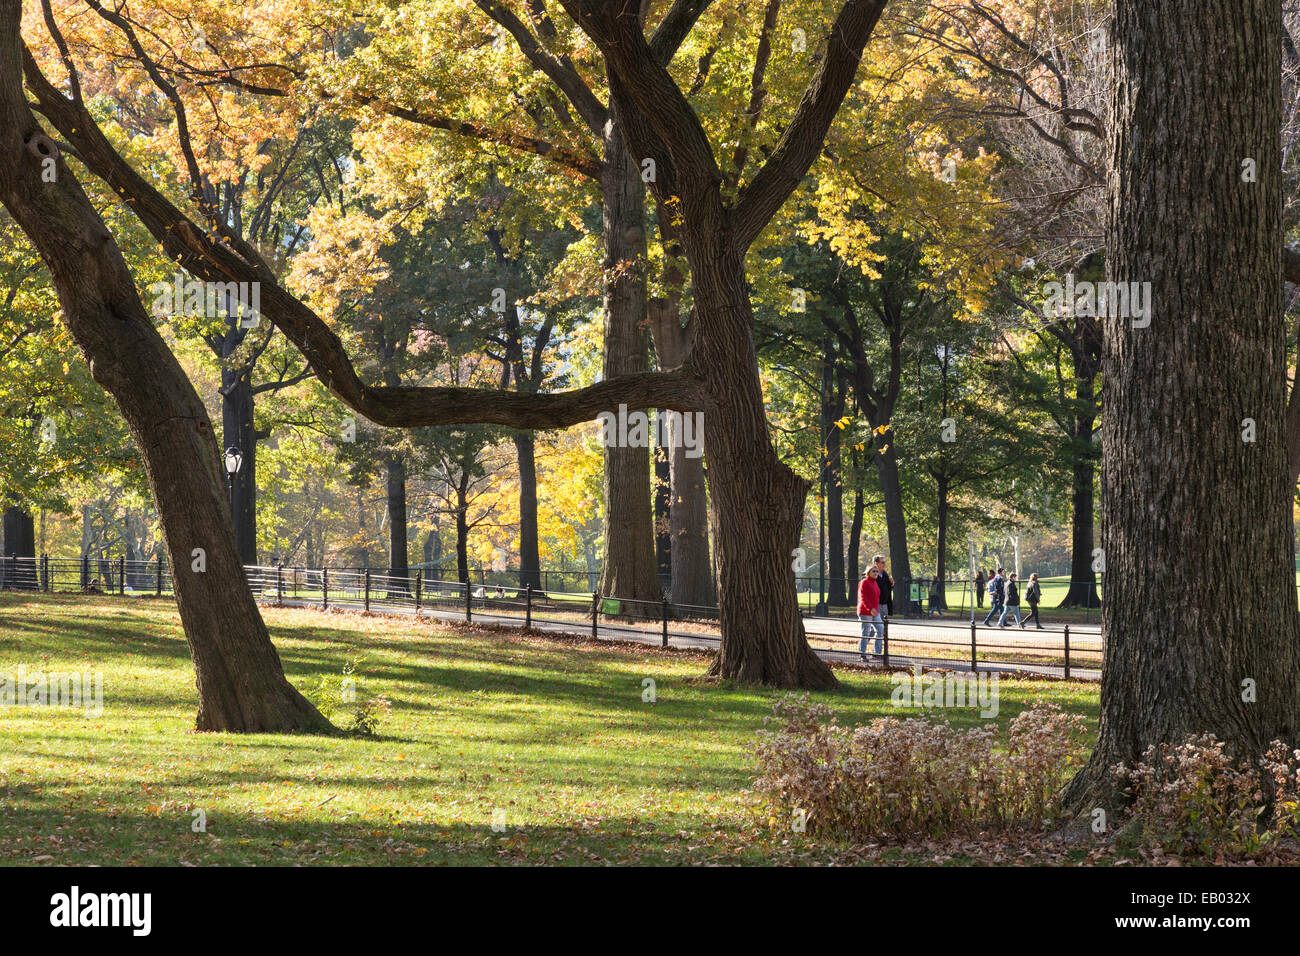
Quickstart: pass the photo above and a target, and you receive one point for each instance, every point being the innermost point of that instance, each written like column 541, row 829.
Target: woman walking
column 1033, row 594
column 869, row 612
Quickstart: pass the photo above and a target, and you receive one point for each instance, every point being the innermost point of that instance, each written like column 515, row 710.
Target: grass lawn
column 553, row 732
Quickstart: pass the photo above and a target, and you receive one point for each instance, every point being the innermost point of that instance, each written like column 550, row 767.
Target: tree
column 240, row 680
column 1187, row 484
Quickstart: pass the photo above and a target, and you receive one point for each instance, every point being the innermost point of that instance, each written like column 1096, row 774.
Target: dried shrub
column 1194, row 798
column 903, row 779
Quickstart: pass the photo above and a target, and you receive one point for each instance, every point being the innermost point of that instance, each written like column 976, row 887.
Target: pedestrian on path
column 979, row 586
column 1010, row 600
column 886, row 585
column 869, row 612
column 1033, row 594
column 995, row 596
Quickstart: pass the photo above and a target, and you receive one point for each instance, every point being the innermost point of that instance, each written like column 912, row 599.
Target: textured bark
column 240, row 680
column 941, row 546
column 237, row 431
column 833, row 402
column 663, row 498
column 1200, row 589
column 395, row 482
column 629, row 569
column 530, row 562
column 690, row 566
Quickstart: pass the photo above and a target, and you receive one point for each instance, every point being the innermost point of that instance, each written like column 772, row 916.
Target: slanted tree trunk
column 241, row 683
column 629, row 570
column 1196, row 522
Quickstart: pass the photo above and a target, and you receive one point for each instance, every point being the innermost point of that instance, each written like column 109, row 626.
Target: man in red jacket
column 869, row 612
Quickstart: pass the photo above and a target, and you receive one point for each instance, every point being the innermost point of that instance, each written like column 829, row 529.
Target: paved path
column 941, row 639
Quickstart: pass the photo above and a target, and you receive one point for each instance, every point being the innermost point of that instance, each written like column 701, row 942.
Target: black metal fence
column 919, row 639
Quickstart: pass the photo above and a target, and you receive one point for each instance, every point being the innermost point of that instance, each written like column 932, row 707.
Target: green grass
column 553, row 732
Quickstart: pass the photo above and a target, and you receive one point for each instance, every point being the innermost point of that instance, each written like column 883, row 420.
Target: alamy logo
column 672, row 430
column 132, row 910
column 951, row 690
column 210, row 300
column 1116, row 300
column 85, row 691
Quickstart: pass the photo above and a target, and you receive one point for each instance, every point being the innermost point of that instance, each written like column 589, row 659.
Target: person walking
column 979, row 586
column 1010, row 600
column 1033, row 594
column 995, row 596
column 886, row 584
column 869, row 612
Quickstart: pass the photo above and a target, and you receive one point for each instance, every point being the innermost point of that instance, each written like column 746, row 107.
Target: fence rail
column 904, row 642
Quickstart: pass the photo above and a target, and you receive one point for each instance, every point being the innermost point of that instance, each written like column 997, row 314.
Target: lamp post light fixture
column 233, row 459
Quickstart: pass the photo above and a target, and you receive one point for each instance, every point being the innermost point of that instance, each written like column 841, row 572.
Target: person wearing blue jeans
column 995, row 595
column 1011, row 601
column 869, row 612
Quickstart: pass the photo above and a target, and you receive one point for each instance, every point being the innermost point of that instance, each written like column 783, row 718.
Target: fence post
column 886, row 630
column 417, row 592
column 45, row 572
column 121, row 574
column 85, row 571
column 158, row 577
column 1067, row 652
column 974, row 663
column 279, row 584
column 367, row 577
column 595, row 612
column 469, row 599
column 528, row 605
column 665, row 620
column 324, row 589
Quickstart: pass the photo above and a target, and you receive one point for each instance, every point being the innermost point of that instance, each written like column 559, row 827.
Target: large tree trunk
column 240, row 681
column 662, row 505
column 941, row 546
column 688, row 512
column 530, row 561
column 1196, row 525
column 19, row 542
column 855, row 543
column 237, row 432
column 758, row 499
column 833, row 399
column 891, row 489
column 395, row 475
column 629, row 571
column 1083, row 580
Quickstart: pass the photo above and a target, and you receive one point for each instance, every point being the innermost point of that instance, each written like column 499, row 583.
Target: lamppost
column 233, row 460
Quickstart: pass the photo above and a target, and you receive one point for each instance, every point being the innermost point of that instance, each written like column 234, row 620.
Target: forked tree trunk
column 241, row 684
column 629, row 570
column 1200, row 593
